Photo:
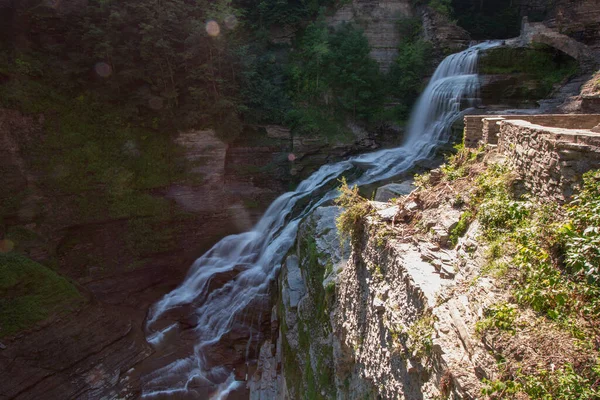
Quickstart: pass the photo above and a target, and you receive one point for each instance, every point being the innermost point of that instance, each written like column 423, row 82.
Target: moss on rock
column 30, row 293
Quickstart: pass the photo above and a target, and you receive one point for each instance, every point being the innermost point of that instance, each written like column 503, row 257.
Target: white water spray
column 253, row 258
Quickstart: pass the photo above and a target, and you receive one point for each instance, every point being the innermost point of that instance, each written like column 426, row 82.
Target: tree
column 354, row 75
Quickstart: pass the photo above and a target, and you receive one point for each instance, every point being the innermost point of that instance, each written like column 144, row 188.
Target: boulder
column 393, row 190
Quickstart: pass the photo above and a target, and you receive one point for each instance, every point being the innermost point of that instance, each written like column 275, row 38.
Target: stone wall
column 482, row 128
column 550, row 152
column 550, row 160
column 473, row 130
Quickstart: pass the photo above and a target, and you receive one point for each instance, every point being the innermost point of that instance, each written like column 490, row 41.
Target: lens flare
column 212, row 28
column 103, row 69
column 231, row 21
column 291, row 157
column 155, row 103
column 6, row 246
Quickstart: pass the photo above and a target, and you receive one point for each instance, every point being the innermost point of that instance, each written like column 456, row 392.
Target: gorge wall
column 123, row 246
column 402, row 314
column 392, row 319
column 380, row 21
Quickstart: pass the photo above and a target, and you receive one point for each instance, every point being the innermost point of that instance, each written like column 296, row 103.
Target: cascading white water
column 254, row 257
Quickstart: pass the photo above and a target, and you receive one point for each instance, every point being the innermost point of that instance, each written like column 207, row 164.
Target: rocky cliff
column 392, row 319
column 123, row 222
column 380, row 20
column 423, row 305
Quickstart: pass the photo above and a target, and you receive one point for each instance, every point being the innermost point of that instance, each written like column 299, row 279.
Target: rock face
column 393, row 190
column 122, row 265
column 378, row 19
column 124, row 260
column 578, row 19
column 393, row 321
column 82, row 356
column 443, row 33
column 305, row 350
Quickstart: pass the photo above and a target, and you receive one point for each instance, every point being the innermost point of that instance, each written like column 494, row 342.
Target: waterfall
column 253, row 258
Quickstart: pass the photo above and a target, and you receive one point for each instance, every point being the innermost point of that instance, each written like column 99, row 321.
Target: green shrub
column 461, row 228
column 500, row 316
column 499, row 215
column 563, row 383
column 582, row 232
column 350, row 222
column 420, row 336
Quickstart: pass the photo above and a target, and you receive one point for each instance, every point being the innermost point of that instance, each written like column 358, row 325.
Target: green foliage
column 420, row 336
column 30, row 293
column 312, row 121
column 154, row 59
column 423, row 180
column 495, row 182
column 332, row 77
column 461, row 228
column 499, row 316
column 501, row 215
column 547, row 66
column 410, row 28
column 311, row 62
column 442, row 6
column 582, row 232
column 407, row 73
column 350, row 222
column 533, row 232
column 354, row 74
column 533, row 251
column 563, row 383
column 458, row 164
column 265, row 14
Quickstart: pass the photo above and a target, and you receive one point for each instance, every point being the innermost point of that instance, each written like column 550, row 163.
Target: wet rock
column 89, row 350
column 294, row 288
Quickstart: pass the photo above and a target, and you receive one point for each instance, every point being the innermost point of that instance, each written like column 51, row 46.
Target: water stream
column 253, row 258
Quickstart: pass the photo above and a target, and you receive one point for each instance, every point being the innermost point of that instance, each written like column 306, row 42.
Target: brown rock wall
column 378, row 18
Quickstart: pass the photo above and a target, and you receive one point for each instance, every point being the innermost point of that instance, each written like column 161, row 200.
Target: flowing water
column 253, row 258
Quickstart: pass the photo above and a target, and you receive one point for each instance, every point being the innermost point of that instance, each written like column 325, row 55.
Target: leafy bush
column 350, row 222
column 461, row 228
column 500, row 215
column 563, row 383
column 457, row 164
column 407, row 73
column 500, row 316
column 420, row 336
column 442, row 6
column 582, row 232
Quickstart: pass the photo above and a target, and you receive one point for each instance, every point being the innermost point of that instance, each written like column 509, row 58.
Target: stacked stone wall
column 550, row 161
column 484, row 129
column 550, row 152
column 473, row 130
